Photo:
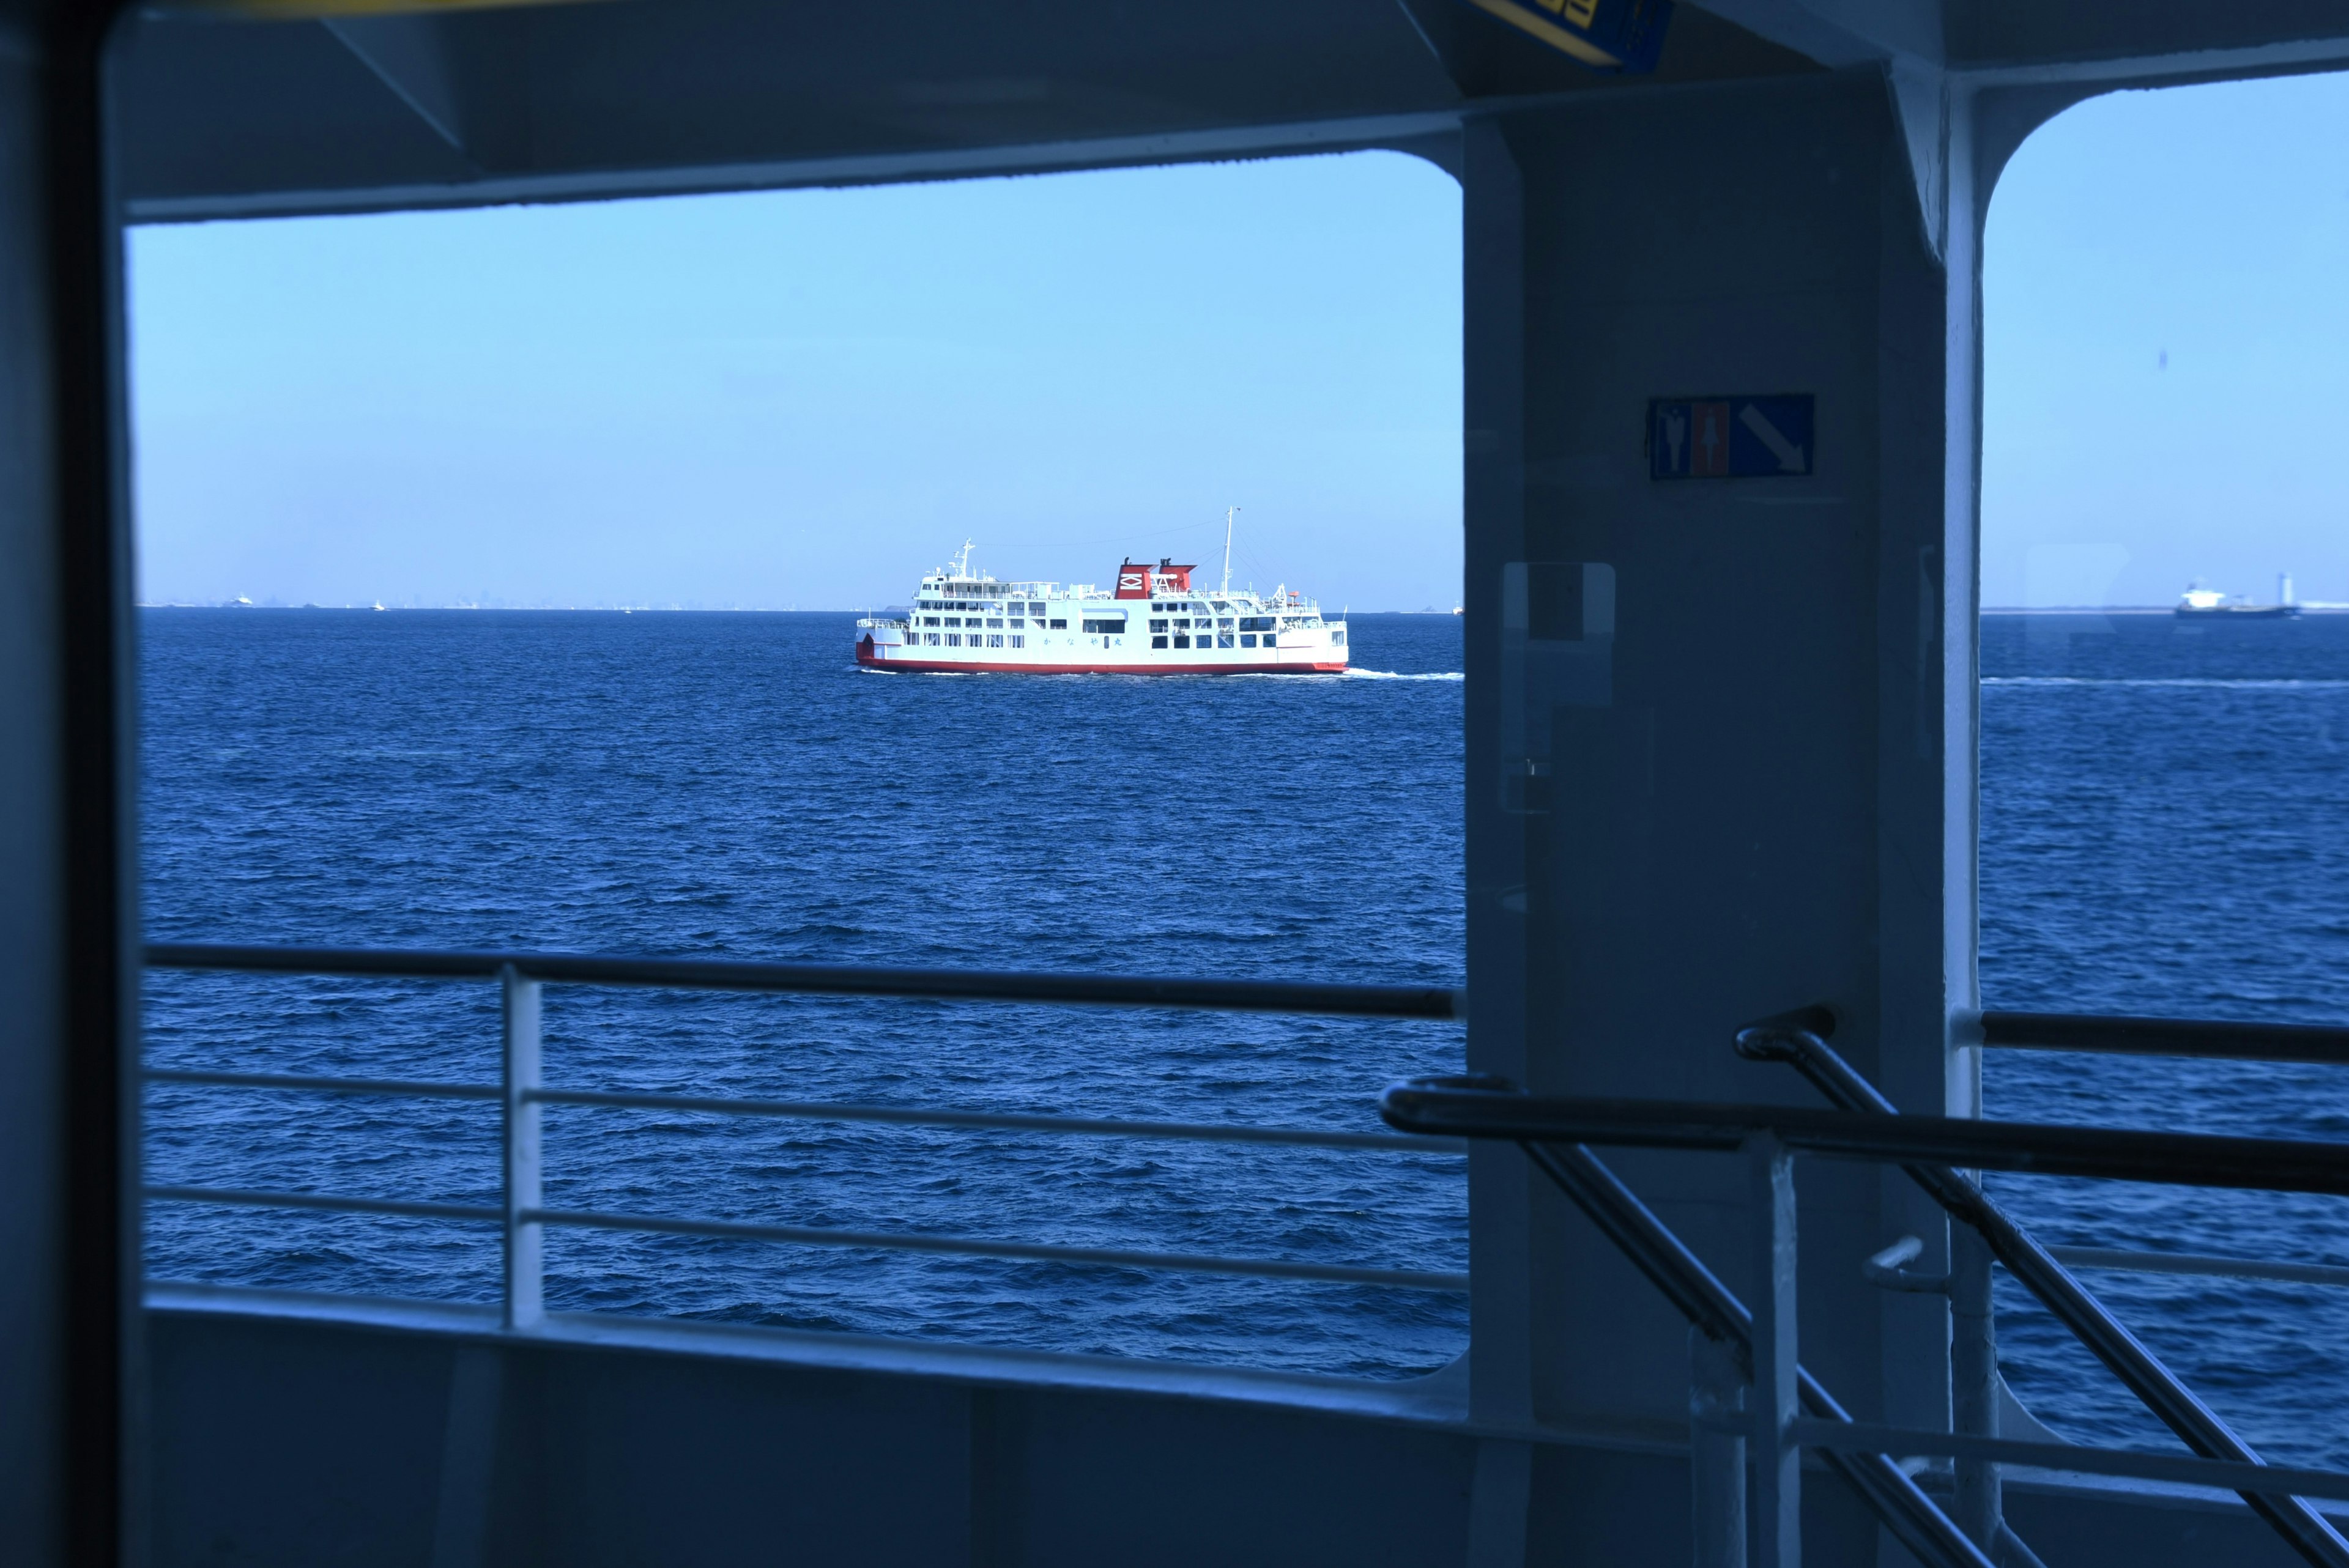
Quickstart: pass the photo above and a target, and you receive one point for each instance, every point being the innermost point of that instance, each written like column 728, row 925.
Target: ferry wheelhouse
column 1156, row 622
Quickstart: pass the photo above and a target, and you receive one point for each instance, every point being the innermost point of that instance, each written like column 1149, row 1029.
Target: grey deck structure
column 1762, row 794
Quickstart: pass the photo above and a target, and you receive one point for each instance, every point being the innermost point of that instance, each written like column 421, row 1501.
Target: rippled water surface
column 713, row 785
column 2165, row 831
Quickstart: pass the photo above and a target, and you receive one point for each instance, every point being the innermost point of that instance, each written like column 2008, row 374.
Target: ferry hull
column 864, row 656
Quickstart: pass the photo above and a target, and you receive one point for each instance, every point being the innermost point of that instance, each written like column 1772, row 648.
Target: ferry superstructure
column 1156, row 622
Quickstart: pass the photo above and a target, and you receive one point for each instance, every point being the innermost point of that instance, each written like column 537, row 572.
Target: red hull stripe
column 939, row 667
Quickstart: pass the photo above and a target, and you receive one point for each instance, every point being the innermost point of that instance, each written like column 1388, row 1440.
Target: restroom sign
column 1747, row 437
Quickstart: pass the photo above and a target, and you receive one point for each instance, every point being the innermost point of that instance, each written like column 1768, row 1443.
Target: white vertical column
column 1501, row 1226
column 524, row 1260
column 1777, row 1462
column 1716, row 1454
column 1973, row 1381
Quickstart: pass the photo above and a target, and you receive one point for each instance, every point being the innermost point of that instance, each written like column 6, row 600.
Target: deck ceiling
column 222, row 116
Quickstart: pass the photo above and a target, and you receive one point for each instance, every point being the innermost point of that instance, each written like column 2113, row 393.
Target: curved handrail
column 1714, row 1311
column 1463, row 1108
column 2138, row 1370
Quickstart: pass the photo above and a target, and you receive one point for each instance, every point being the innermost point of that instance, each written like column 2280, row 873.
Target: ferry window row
column 1010, row 606
column 955, row 640
column 1205, row 624
column 1189, row 609
column 997, row 622
column 1208, row 640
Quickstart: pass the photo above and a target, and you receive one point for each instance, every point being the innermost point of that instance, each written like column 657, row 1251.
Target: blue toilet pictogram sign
column 1742, row 438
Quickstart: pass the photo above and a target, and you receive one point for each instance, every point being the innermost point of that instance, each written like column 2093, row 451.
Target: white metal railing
column 1754, row 1409
column 2230, row 1040
column 523, row 1216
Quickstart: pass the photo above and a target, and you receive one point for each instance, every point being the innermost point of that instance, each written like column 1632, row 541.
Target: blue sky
column 809, row 398
column 2166, row 392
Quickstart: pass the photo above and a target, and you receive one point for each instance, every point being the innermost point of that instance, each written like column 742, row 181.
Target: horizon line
column 671, row 609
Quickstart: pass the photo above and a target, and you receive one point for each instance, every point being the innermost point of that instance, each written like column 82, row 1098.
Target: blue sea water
column 2165, row 830
column 719, row 785
column 2162, row 815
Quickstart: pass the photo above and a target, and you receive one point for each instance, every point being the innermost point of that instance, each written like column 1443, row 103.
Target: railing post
column 1776, row 1496
column 524, row 1264
column 1973, row 1382
column 1716, row 1453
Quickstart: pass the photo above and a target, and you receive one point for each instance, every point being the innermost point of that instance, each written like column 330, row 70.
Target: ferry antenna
column 1229, row 512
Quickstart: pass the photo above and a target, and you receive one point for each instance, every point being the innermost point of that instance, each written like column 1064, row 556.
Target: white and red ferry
column 1155, row 623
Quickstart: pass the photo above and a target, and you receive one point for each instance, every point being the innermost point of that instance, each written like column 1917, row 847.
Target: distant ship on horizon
column 1156, row 622
column 2199, row 603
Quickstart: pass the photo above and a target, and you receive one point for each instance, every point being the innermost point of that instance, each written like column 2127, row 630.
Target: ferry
column 1156, row 622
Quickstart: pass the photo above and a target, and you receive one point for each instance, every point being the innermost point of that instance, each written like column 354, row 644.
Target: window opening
column 650, row 705
column 2165, row 702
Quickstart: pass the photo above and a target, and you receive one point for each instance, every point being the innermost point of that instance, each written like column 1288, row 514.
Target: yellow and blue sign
column 1623, row 35
column 1732, row 437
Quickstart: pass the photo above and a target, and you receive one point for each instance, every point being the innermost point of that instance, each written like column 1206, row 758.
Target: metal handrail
column 2223, row 1475
column 1713, row 1310
column 522, row 1095
column 1715, row 1313
column 2200, row 1264
column 827, row 1236
column 1921, row 1145
column 824, row 1110
column 2214, row 1037
column 1294, row 997
column 2122, row 1354
column 1445, row 1107
column 325, row 1202
column 403, row 1088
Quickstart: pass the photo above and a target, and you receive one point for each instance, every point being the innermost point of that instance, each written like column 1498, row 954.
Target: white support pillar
column 524, row 1261
column 1974, row 1383
column 1716, row 1454
column 1777, row 1461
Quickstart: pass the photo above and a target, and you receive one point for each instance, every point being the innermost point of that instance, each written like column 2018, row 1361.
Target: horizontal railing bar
column 255, row 1198
column 1465, row 1110
column 2166, row 1037
column 2226, row 1475
column 1035, row 1251
column 819, row 1111
column 906, row 1242
column 1425, row 1002
column 2198, row 1264
column 418, row 1087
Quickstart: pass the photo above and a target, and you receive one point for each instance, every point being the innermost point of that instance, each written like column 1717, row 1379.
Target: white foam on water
column 1392, row 676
